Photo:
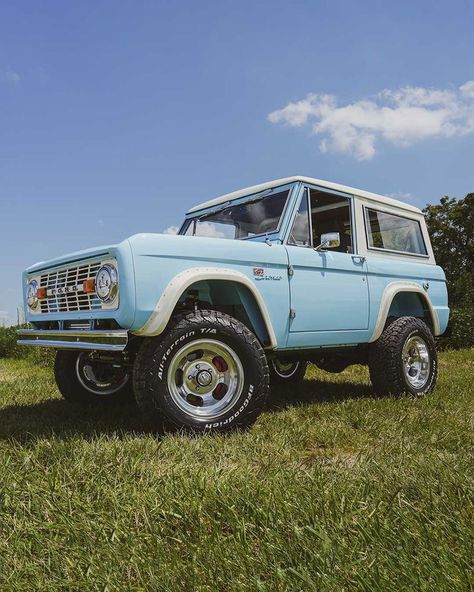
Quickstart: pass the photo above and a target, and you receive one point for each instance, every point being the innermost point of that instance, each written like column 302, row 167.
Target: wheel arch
column 225, row 286
column 404, row 299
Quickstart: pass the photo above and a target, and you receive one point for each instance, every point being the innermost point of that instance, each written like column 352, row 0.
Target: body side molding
column 390, row 291
column 170, row 296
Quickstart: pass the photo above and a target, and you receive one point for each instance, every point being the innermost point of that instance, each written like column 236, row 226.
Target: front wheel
column 86, row 378
column 208, row 373
column 403, row 360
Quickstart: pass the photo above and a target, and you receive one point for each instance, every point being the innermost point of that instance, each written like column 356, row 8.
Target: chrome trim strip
column 114, row 340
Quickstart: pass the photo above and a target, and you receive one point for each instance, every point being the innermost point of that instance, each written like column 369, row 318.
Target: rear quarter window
column 390, row 232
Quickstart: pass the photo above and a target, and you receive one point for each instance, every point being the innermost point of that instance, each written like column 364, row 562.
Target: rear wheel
column 91, row 377
column 404, row 360
column 286, row 373
column 208, row 373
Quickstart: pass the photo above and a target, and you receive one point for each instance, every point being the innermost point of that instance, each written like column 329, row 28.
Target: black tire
column 285, row 373
column 395, row 367
column 166, row 377
column 76, row 387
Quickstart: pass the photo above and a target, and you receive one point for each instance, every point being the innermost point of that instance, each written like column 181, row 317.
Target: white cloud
column 170, row 230
column 401, row 117
column 467, row 89
column 11, row 77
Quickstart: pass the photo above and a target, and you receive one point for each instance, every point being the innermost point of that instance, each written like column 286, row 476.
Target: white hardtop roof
column 319, row 182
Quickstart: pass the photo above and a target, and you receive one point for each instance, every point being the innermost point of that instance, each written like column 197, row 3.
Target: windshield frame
column 253, row 197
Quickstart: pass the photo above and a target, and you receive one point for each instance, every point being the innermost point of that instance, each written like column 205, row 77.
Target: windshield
column 259, row 216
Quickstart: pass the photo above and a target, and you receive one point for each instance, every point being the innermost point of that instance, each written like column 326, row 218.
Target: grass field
column 331, row 490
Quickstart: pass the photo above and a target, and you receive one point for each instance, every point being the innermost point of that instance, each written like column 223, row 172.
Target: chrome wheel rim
column 416, row 362
column 285, row 369
column 205, row 378
column 97, row 381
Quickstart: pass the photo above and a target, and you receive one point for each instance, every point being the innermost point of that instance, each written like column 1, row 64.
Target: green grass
column 331, row 490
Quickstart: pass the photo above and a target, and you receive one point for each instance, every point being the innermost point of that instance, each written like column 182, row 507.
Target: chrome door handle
column 358, row 259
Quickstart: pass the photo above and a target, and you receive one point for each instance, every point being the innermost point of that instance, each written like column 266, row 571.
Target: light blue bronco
column 256, row 283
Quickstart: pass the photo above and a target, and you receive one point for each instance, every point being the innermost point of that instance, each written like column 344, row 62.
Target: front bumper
column 111, row 340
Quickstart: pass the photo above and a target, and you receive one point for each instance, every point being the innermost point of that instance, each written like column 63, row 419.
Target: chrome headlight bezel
column 32, row 294
column 106, row 283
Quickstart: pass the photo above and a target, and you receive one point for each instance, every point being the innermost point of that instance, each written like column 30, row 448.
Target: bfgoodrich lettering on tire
column 207, row 373
column 403, row 360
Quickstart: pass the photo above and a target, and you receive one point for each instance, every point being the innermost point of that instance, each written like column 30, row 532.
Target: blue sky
column 115, row 117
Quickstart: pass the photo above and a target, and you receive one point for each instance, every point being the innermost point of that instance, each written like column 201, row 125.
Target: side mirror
column 329, row 240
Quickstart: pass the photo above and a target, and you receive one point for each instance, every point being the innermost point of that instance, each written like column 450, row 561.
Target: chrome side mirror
column 329, row 240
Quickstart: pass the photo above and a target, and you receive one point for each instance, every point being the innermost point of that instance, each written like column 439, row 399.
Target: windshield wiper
column 214, row 212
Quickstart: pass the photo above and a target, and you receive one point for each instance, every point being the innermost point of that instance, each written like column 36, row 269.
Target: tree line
column 451, row 227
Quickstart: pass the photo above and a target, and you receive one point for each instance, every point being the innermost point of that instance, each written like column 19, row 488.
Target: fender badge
column 259, row 275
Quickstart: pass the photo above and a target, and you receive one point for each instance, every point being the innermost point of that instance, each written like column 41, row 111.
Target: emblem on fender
column 260, row 275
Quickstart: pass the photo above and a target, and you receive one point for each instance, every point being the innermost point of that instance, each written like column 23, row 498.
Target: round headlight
column 106, row 283
column 32, row 294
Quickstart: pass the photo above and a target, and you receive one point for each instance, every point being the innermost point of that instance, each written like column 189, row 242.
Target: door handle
column 358, row 259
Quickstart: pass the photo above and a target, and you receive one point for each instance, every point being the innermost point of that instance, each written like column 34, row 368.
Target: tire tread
column 147, row 357
column 384, row 355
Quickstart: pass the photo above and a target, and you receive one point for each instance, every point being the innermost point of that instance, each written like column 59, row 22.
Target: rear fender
column 410, row 307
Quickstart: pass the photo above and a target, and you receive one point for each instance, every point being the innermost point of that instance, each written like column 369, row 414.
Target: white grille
column 70, row 277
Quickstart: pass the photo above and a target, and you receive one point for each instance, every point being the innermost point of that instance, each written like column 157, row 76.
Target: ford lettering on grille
column 65, row 289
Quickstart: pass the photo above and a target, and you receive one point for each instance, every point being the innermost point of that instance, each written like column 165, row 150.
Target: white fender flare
column 387, row 298
column 170, row 296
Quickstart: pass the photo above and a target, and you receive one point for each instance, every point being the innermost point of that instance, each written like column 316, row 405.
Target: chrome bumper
column 114, row 340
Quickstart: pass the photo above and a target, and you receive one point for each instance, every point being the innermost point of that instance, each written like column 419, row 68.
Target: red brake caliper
column 220, row 364
column 221, row 388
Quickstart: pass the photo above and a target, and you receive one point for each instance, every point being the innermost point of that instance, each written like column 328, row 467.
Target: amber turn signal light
column 41, row 293
column 89, row 286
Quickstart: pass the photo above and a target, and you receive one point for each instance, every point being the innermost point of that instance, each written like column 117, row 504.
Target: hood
column 72, row 257
column 204, row 249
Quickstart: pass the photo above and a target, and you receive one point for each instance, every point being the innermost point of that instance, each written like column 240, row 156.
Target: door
column 328, row 287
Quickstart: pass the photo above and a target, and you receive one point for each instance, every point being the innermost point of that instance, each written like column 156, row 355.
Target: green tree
column 451, row 227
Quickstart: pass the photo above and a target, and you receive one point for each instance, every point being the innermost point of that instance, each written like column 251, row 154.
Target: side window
column 394, row 233
column 331, row 213
column 300, row 232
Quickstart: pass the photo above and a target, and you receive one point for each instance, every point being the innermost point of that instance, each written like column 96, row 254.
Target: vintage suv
column 256, row 284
